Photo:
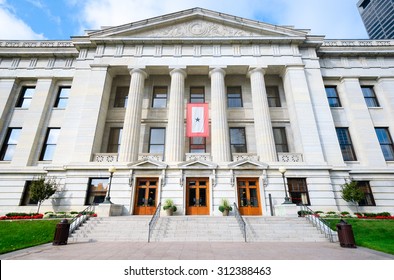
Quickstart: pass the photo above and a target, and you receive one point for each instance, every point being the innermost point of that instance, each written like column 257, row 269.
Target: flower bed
column 21, row 216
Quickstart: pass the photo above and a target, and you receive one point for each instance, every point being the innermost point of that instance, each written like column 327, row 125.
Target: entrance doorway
column 197, row 196
column 249, row 196
column 146, row 196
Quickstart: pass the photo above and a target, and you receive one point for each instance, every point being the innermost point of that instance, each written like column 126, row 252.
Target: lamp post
column 111, row 170
column 283, row 170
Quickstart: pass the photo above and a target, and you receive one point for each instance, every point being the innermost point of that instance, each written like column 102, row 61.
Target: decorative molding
column 157, row 157
column 217, row 50
column 290, row 157
column 119, row 50
column 83, row 53
column 15, row 63
column 193, row 156
column 357, row 43
column 100, row 50
column 105, row 157
column 256, row 50
column 158, row 50
column 33, row 62
column 69, row 63
column 36, row 44
column 138, row 50
column 237, row 50
column 239, row 156
column 51, row 62
column 197, row 50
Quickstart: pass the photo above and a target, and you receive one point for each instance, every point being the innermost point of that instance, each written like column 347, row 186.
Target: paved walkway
column 195, row 251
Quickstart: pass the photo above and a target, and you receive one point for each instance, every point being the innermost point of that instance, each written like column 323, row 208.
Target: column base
column 107, row 210
column 286, row 210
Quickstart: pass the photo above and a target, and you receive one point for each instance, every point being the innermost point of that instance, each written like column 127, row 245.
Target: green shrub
column 344, row 213
column 384, row 214
column 319, row 212
column 302, row 213
column 12, row 214
column 331, row 213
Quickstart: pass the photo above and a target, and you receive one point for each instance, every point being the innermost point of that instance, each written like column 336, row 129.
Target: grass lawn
column 19, row 234
column 374, row 234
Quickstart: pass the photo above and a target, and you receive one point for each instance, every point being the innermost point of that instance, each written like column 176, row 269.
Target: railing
column 240, row 220
column 153, row 221
column 80, row 218
column 318, row 222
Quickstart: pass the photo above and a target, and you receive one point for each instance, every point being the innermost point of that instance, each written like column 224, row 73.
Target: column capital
column 217, row 70
column 139, row 71
column 178, row 70
column 252, row 70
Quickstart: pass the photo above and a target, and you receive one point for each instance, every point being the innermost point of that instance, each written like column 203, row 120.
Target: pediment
column 196, row 23
column 197, row 164
column 148, row 164
column 248, row 164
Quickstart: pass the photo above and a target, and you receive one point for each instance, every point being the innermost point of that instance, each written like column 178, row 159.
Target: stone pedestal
column 107, row 210
column 286, row 210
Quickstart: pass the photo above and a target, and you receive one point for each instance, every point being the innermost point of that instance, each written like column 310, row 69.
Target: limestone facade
column 268, row 107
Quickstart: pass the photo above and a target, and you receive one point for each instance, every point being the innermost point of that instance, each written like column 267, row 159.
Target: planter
column 225, row 212
column 169, row 211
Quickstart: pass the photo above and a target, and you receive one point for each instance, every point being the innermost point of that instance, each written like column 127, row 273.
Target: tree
column 352, row 193
column 41, row 189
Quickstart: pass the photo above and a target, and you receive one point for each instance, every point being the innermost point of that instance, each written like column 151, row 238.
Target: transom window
column 370, row 97
column 386, row 143
column 62, row 97
column 273, row 97
column 115, row 137
column 197, row 95
column 280, row 140
column 25, row 97
column 345, row 142
column 234, row 97
column 332, row 96
column 157, row 140
column 238, row 140
column 298, row 191
column 197, row 145
column 10, row 142
column 49, row 147
column 121, row 97
column 159, row 99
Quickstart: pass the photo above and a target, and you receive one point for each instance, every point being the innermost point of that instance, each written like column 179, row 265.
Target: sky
column 61, row 19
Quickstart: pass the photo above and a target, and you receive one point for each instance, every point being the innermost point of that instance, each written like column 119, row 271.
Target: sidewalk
column 196, row 251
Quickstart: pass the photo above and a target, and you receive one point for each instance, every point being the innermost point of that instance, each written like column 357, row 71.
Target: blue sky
column 61, row 19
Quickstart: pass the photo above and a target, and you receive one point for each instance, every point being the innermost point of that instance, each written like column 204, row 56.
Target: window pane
column 345, row 144
column 298, row 190
column 197, row 95
column 156, row 149
column 237, row 135
column 49, row 152
column 157, row 136
column 53, row 135
column 97, row 190
column 332, row 96
column 234, row 97
column 280, row 140
column 25, row 97
column 62, row 98
column 370, row 97
column 10, row 143
column 121, row 97
column 386, row 143
column 115, row 137
column 159, row 97
column 49, row 147
column 273, row 97
column 28, row 92
column 14, row 136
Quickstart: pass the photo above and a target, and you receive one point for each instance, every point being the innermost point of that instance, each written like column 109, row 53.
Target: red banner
column 197, row 120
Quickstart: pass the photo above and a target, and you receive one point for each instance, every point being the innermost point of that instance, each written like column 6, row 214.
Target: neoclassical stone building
column 277, row 96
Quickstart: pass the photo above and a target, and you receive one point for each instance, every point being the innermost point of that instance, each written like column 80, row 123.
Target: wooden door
column 249, row 196
column 145, row 196
column 197, row 196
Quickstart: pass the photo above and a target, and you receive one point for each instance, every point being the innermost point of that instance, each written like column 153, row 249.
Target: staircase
column 197, row 229
column 118, row 228
column 281, row 229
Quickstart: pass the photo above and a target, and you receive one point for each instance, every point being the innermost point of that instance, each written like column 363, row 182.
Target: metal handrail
column 321, row 224
column 81, row 217
column 240, row 220
column 153, row 221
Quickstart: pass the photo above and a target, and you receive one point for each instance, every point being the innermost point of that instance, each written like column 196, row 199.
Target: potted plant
column 225, row 207
column 169, row 207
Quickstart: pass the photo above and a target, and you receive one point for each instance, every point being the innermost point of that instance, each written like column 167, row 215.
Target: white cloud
column 14, row 28
column 334, row 18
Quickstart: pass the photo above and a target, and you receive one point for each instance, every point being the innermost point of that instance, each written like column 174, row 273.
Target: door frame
column 135, row 188
column 258, row 188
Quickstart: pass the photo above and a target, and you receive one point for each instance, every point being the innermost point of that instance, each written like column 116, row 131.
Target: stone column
column 262, row 120
column 302, row 116
column 6, row 98
column 175, row 133
column 383, row 91
column 129, row 146
column 220, row 137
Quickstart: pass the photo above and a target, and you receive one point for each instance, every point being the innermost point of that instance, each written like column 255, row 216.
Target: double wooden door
column 249, row 196
column 197, row 196
column 146, row 196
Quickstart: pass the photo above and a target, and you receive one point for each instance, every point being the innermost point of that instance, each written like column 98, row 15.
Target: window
column 10, row 142
column 197, row 95
column 345, row 142
column 26, row 197
column 197, row 144
column 298, row 191
column 332, row 96
column 273, row 97
column 159, row 97
column 157, row 140
column 368, row 200
column 280, row 140
column 234, row 97
column 370, row 97
column 115, row 136
column 97, row 190
column 121, row 96
column 386, row 143
column 50, row 144
column 62, row 97
column 238, row 140
column 25, row 97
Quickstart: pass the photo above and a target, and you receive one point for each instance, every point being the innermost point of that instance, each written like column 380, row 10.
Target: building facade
column 378, row 18
column 277, row 97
